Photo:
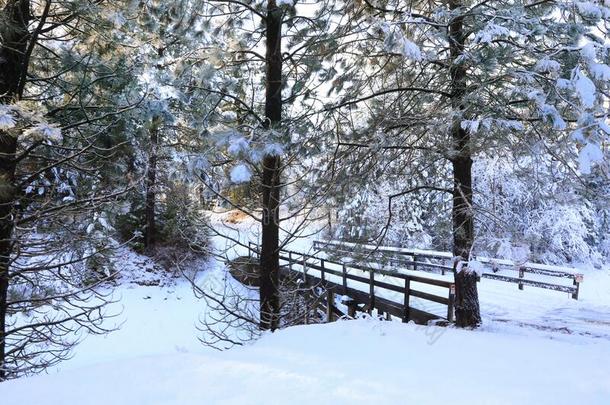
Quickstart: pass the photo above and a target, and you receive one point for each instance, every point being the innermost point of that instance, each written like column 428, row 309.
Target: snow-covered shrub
column 367, row 218
column 531, row 205
column 181, row 223
column 528, row 209
column 129, row 221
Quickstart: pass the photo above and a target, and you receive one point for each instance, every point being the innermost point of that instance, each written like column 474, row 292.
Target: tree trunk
column 269, row 259
column 467, row 312
column 15, row 37
column 150, row 227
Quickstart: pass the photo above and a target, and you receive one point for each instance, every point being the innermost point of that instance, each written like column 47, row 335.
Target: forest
column 187, row 175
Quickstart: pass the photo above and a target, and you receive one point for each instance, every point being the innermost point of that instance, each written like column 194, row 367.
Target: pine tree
column 58, row 105
column 447, row 82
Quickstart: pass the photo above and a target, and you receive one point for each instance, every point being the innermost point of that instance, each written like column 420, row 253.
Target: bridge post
column 351, row 305
column 577, row 280
column 451, row 303
column 330, row 302
column 406, row 314
column 304, row 260
column 371, row 291
column 323, row 277
column 521, row 275
column 344, row 279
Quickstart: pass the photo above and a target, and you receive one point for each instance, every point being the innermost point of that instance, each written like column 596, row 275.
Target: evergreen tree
column 450, row 81
column 60, row 73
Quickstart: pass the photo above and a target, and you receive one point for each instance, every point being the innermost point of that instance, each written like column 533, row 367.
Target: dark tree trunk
column 467, row 312
column 13, row 64
column 150, row 227
column 269, row 259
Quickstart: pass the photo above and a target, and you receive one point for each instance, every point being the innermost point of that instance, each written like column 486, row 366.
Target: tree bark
column 15, row 38
column 467, row 311
column 269, row 259
column 150, row 227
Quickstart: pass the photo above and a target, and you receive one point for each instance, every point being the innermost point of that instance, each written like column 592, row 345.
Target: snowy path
column 551, row 313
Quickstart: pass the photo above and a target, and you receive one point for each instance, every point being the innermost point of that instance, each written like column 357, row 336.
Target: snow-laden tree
column 169, row 42
column 63, row 73
column 450, row 81
column 271, row 81
column 531, row 209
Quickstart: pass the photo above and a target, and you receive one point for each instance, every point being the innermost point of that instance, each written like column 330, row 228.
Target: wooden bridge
column 416, row 297
column 525, row 274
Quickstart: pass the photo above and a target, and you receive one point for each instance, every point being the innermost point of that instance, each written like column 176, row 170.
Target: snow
column 471, row 125
column 585, row 88
column 535, row 346
column 274, row 149
column 410, row 50
column 589, row 9
column 600, row 71
column 476, row 266
column 240, row 174
column 491, row 33
column 238, row 145
column 588, row 155
column 396, row 41
column 6, row 120
column 347, row 362
column 604, row 126
column 547, row 66
column 43, row 131
column 588, row 52
column 229, row 116
column 155, row 312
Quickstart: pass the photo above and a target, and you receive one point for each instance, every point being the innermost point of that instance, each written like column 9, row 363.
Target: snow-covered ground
column 347, row 362
column 535, row 346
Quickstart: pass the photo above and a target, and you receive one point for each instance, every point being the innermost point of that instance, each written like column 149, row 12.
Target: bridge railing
column 386, row 291
column 437, row 262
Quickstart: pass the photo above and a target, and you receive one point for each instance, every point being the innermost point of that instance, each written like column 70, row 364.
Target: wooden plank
column 521, row 275
column 387, row 286
column 370, row 300
column 329, row 271
column 323, row 276
column 391, row 287
column 419, row 279
column 577, row 281
column 429, row 297
column 401, row 252
column 431, row 281
column 532, row 283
